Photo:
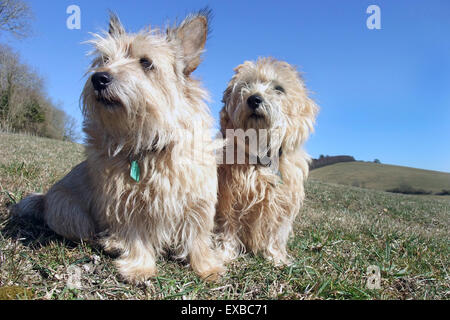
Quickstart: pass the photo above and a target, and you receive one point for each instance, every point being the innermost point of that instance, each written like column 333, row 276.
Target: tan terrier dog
column 259, row 201
column 146, row 186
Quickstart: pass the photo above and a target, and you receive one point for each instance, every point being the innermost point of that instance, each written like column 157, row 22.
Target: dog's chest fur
column 257, row 192
column 160, row 200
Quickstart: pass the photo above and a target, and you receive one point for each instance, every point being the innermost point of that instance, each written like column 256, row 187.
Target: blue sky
column 383, row 93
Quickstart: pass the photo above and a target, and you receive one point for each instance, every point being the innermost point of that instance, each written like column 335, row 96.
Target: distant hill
column 383, row 177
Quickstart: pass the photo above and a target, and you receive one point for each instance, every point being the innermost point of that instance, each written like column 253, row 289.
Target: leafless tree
column 71, row 131
column 15, row 17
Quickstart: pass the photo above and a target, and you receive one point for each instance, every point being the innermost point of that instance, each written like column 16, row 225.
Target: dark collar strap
column 258, row 161
column 143, row 153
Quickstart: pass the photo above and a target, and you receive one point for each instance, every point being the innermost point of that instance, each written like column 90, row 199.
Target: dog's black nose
column 101, row 80
column 254, row 101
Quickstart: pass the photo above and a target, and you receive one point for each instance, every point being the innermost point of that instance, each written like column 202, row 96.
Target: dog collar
column 258, row 161
column 135, row 171
column 280, row 152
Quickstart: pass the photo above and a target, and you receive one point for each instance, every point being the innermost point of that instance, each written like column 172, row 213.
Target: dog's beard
column 120, row 99
column 130, row 119
column 257, row 120
column 269, row 128
column 109, row 97
column 107, row 100
column 267, row 117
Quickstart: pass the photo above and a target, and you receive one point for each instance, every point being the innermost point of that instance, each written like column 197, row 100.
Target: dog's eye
column 146, row 63
column 279, row 89
column 105, row 60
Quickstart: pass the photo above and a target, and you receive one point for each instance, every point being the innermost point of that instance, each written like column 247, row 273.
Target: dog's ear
column 224, row 120
column 245, row 65
column 115, row 26
column 191, row 35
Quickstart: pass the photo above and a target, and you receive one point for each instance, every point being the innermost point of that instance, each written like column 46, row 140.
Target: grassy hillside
column 382, row 176
column 339, row 233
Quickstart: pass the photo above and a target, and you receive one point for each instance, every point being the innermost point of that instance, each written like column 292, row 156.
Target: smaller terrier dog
column 145, row 186
column 258, row 202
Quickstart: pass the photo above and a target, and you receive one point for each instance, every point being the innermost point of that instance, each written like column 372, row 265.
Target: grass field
column 339, row 233
column 382, row 176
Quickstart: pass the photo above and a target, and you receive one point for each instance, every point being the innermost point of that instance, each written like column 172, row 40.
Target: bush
column 407, row 189
column 444, row 192
column 356, row 183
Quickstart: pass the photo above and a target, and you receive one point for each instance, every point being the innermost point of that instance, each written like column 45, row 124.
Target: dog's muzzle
column 254, row 101
column 101, row 80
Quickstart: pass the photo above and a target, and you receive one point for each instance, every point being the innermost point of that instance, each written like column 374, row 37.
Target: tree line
column 25, row 105
column 329, row 160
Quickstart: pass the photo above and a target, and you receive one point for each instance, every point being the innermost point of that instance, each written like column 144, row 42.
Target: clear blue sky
column 383, row 93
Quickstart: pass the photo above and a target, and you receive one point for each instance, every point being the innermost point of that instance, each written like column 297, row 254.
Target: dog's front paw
column 135, row 274
column 279, row 259
column 212, row 274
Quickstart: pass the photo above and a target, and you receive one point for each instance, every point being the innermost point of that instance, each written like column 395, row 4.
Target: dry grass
column 339, row 233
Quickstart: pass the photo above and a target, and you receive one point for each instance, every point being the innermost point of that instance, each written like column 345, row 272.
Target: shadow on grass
column 35, row 234
column 31, row 232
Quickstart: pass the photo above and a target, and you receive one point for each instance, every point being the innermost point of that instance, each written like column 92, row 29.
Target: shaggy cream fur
column 146, row 114
column 258, row 203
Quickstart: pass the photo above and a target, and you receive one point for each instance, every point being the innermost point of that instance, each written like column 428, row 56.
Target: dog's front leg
column 203, row 259
column 277, row 247
column 230, row 245
column 137, row 262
